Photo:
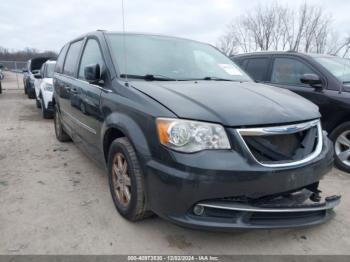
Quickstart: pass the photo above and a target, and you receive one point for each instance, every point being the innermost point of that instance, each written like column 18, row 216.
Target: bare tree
column 278, row 27
column 23, row 55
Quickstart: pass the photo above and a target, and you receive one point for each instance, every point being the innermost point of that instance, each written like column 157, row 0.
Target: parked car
column 44, row 88
column 323, row 79
column 186, row 134
column 33, row 68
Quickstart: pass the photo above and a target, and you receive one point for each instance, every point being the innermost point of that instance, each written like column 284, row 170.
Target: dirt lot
column 54, row 200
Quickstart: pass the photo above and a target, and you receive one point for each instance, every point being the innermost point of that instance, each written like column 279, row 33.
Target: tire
column 61, row 135
column 38, row 104
column 45, row 113
column 25, row 87
column 0, row 88
column 341, row 139
column 31, row 96
column 133, row 209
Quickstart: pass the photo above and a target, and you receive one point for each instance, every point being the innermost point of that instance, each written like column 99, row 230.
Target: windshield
column 339, row 67
column 171, row 58
column 50, row 70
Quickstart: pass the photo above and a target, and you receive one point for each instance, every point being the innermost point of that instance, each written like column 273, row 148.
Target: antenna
column 124, row 48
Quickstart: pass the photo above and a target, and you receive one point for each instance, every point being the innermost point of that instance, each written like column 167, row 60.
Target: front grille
column 283, row 145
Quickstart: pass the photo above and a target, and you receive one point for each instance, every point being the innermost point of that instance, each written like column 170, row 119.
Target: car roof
column 105, row 32
column 293, row 53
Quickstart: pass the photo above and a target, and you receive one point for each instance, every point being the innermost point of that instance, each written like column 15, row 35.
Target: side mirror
column 37, row 76
column 92, row 73
column 311, row 79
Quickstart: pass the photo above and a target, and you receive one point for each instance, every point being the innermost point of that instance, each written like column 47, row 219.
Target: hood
column 230, row 103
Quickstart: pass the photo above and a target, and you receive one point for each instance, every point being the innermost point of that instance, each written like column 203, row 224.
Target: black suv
column 184, row 133
column 323, row 79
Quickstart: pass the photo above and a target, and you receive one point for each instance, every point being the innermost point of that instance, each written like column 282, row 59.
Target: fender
column 130, row 129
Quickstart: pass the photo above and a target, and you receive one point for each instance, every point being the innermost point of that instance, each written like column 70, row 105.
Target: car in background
column 1, row 78
column 33, row 67
column 44, row 88
column 183, row 132
column 323, row 79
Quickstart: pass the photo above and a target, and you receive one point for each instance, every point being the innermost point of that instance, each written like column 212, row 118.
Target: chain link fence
column 13, row 74
column 14, row 66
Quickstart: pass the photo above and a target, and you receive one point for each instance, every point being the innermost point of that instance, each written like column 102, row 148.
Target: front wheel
column 0, row 88
column 45, row 113
column 341, row 139
column 126, row 180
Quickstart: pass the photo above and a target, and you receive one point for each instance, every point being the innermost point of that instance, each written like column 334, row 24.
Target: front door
column 286, row 73
column 88, row 108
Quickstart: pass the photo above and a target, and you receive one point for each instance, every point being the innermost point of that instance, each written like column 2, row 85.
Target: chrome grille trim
column 277, row 130
column 280, row 130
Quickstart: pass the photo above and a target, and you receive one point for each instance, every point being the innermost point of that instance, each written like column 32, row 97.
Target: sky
column 49, row 24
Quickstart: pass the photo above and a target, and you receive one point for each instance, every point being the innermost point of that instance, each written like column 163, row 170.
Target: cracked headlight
column 48, row 87
column 191, row 136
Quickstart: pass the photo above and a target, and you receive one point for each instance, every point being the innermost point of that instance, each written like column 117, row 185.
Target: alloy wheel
column 121, row 179
column 342, row 147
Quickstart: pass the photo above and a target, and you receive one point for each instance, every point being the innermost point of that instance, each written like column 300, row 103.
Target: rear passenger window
column 92, row 55
column 289, row 71
column 60, row 59
column 72, row 58
column 257, row 68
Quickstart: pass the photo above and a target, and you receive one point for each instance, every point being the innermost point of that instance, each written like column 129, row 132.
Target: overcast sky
column 48, row 25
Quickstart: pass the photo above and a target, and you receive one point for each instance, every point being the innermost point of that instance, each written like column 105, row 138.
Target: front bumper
column 47, row 97
column 173, row 190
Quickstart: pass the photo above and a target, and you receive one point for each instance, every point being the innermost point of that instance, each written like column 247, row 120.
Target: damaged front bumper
column 285, row 211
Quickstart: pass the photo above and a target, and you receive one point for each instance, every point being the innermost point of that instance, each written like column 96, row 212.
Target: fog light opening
column 198, row 210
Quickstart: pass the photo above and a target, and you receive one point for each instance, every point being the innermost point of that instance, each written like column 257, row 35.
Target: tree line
column 23, row 55
column 280, row 27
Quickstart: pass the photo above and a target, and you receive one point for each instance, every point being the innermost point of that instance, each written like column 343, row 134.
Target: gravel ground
column 54, row 200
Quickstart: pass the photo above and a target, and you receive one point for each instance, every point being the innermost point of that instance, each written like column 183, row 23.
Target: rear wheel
column 341, row 138
column 126, row 180
column 61, row 135
column 30, row 96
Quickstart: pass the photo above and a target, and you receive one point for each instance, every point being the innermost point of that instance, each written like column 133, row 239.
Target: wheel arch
column 120, row 125
column 344, row 121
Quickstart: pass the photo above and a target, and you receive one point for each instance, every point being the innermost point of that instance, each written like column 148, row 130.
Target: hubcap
column 342, row 147
column 121, row 179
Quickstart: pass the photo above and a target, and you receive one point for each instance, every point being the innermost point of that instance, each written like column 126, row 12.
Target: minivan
column 185, row 134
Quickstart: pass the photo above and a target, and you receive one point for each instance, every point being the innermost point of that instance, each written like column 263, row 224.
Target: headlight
column 48, row 88
column 191, row 136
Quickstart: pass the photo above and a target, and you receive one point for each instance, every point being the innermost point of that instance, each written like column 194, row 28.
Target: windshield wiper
column 217, row 78
column 149, row 77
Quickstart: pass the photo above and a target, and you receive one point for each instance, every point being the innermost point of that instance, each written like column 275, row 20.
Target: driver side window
column 289, row 71
column 91, row 55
